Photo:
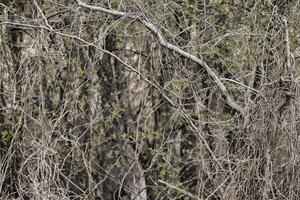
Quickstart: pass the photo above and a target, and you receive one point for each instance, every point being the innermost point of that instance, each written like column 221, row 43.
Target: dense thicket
column 149, row 99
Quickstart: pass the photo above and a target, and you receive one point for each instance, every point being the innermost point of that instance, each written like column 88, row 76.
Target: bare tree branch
column 287, row 44
column 147, row 23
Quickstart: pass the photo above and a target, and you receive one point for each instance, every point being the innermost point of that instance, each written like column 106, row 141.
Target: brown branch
column 163, row 42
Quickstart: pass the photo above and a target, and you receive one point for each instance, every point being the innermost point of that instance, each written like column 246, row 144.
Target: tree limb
column 163, row 42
